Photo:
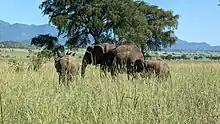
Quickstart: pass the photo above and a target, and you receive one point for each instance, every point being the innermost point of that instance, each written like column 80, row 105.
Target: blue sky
column 199, row 19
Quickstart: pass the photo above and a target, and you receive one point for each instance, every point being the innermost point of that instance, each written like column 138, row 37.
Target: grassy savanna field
column 191, row 96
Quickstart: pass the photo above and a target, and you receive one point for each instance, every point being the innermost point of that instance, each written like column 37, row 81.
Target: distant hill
column 24, row 33
column 192, row 46
column 15, row 44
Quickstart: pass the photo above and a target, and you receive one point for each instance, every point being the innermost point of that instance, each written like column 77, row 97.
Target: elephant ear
column 98, row 53
column 109, row 47
column 99, row 50
column 139, row 65
column 90, row 49
column 60, row 53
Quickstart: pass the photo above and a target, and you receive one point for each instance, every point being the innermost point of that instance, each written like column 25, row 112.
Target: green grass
column 192, row 96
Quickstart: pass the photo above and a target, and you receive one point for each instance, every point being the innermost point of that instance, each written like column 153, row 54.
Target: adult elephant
column 126, row 57
column 97, row 55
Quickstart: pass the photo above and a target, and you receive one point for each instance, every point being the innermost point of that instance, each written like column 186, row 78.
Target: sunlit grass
column 191, row 96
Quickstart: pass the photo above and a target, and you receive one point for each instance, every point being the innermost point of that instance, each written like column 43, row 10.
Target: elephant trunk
column 139, row 65
column 83, row 68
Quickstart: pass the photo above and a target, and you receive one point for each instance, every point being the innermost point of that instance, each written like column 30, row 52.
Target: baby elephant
column 66, row 67
column 158, row 67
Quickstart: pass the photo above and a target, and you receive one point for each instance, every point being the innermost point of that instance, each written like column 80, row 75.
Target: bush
column 46, row 54
column 147, row 55
column 168, row 57
column 184, row 56
column 18, row 66
column 35, row 63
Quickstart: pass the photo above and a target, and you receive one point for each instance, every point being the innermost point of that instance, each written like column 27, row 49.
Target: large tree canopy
column 44, row 40
column 48, row 44
column 161, row 24
column 114, row 20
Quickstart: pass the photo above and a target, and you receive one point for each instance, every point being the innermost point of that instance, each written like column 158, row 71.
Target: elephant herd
column 125, row 58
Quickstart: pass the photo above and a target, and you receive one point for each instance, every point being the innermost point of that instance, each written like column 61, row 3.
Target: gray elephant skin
column 97, row 55
column 126, row 57
column 158, row 67
column 67, row 67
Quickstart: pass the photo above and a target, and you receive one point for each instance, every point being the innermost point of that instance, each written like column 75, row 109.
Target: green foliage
column 183, row 56
column 46, row 54
column 213, row 57
column 161, row 24
column 37, row 60
column 47, row 41
column 147, row 55
column 113, row 21
column 80, row 42
column 197, row 57
column 169, row 57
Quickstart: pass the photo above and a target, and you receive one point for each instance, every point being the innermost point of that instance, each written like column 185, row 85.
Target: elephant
column 158, row 67
column 126, row 57
column 97, row 55
column 66, row 67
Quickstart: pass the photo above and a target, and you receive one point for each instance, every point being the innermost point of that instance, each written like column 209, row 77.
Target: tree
column 78, row 17
column 183, row 56
column 77, row 42
column 48, row 45
column 45, row 41
column 162, row 25
column 169, row 57
column 111, row 20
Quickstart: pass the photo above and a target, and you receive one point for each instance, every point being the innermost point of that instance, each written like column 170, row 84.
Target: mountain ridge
column 24, row 32
column 182, row 45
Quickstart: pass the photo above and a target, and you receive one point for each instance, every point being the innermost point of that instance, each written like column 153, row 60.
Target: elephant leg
column 134, row 73
column 128, row 71
column 105, row 69
column 102, row 70
column 159, row 78
column 62, row 75
column 144, row 74
column 117, row 70
column 113, row 69
column 69, row 79
column 59, row 78
column 64, row 80
column 113, row 72
column 122, row 68
column 131, row 71
column 66, row 77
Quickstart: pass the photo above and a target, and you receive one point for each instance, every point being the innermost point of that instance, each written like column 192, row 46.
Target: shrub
column 18, row 66
column 35, row 63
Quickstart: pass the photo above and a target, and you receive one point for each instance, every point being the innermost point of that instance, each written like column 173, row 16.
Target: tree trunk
column 142, row 50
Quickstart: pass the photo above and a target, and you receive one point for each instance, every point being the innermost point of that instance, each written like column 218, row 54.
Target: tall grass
column 191, row 96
